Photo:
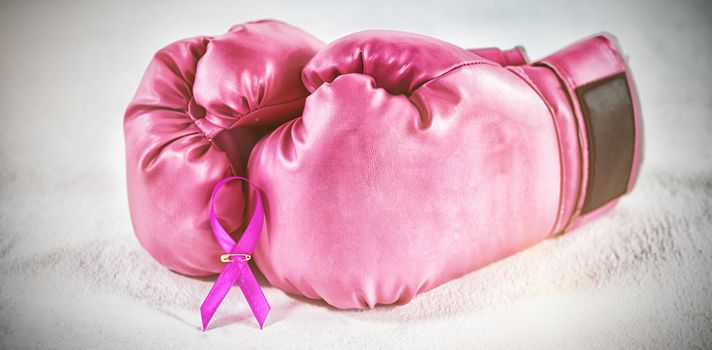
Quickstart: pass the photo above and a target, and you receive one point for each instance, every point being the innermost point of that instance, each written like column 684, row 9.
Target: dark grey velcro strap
column 608, row 112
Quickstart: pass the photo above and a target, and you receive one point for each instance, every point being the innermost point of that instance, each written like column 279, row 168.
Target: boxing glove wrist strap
column 604, row 104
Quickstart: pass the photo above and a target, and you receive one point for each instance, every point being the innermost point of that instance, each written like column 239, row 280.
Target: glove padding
column 415, row 161
column 200, row 107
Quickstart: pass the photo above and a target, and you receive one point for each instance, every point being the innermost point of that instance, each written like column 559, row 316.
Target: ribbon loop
column 236, row 270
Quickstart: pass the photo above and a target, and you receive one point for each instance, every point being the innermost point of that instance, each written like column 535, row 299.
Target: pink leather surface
column 415, row 162
column 191, row 91
column 546, row 82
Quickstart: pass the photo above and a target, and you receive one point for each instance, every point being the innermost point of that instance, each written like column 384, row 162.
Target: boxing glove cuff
column 604, row 114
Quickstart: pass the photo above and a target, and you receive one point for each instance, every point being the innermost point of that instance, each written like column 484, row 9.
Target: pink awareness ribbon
column 236, row 270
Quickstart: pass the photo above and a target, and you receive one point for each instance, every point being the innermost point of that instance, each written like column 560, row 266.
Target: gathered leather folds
column 388, row 162
column 192, row 91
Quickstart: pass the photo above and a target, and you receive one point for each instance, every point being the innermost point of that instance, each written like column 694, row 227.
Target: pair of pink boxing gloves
column 388, row 162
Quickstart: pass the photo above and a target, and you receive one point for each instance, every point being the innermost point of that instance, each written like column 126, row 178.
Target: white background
column 72, row 275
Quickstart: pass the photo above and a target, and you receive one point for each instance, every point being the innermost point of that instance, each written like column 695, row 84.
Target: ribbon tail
column 240, row 272
column 218, row 291
column 254, row 295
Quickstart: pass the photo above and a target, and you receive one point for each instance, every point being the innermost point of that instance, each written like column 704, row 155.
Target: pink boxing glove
column 416, row 161
column 201, row 106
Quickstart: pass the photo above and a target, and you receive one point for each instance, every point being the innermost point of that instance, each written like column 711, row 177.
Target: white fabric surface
column 72, row 275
